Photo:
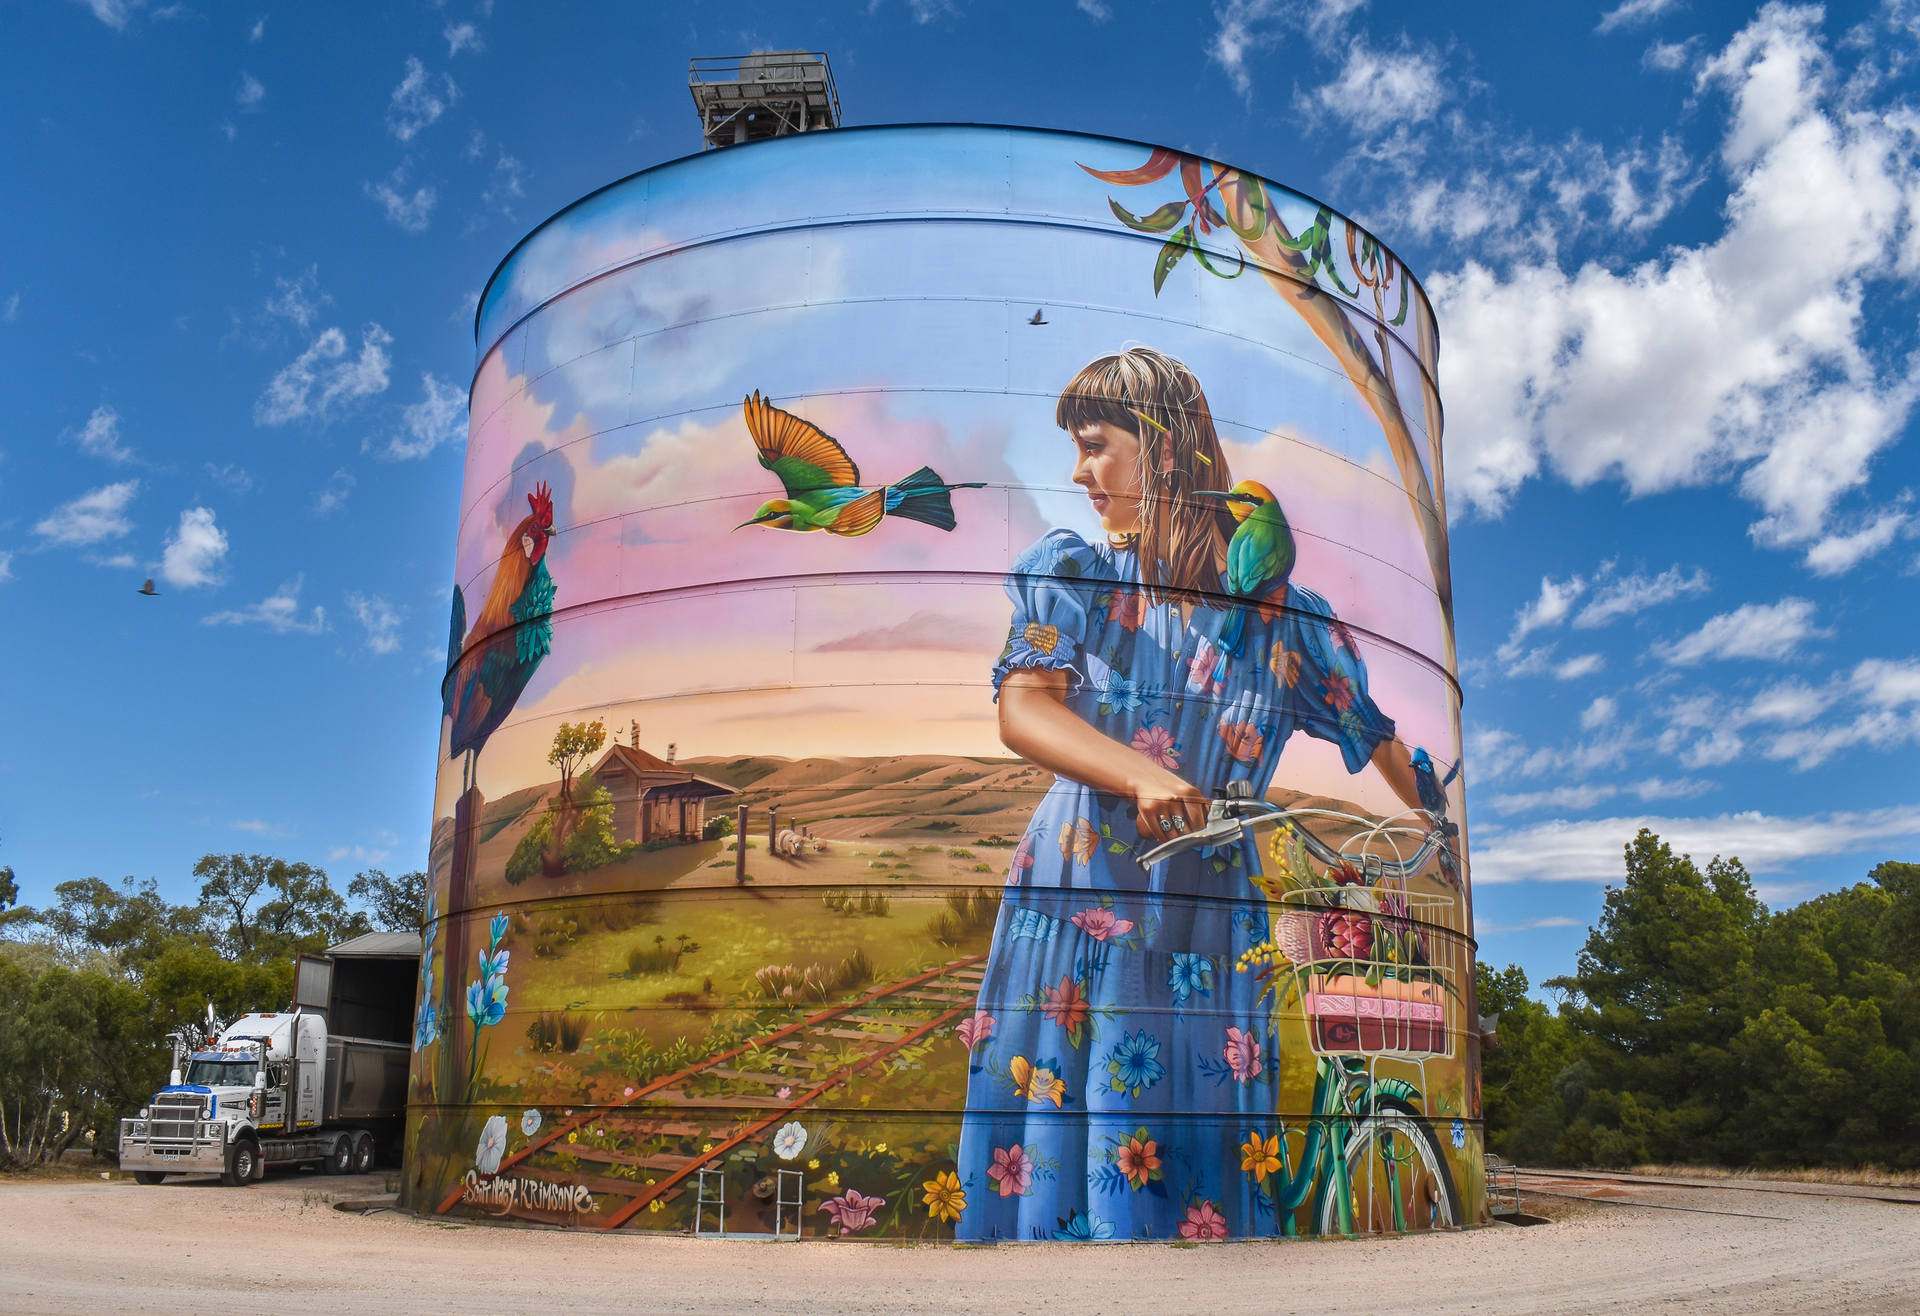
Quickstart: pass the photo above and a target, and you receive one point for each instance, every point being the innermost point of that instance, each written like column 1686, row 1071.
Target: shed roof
column 380, row 945
column 656, row 773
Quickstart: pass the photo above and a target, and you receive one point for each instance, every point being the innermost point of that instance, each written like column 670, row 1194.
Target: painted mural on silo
column 1041, row 537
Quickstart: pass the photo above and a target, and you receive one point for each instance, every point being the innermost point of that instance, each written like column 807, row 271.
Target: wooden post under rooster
column 513, row 632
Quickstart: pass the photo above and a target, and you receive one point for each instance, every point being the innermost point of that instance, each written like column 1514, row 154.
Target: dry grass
column 1865, row 1176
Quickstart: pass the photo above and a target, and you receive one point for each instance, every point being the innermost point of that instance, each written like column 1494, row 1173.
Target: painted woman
column 1127, row 1063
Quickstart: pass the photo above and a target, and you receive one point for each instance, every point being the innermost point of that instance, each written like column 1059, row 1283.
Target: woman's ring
column 1165, row 824
column 1179, row 824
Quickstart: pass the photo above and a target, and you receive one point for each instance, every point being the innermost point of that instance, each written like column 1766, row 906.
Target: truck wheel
column 149, row 1177
column 362, row 1152
column 340, row 1159
column 241, row 1160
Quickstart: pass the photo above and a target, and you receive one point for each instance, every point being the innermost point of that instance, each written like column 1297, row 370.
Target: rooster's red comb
column 541, row 500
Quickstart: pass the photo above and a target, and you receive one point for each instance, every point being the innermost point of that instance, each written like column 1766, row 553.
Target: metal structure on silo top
column 950, row 727
column 770, row 93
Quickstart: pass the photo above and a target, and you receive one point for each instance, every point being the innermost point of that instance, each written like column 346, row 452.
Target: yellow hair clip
column 1149, row 419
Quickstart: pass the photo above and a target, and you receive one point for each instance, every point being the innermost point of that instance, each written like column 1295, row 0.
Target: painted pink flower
column 851, row 1211
column 784, row 1093
column 1128, row 607
column 972, row 1032
column 1101, row 925
column 1200, row 670
column 1021, row 862
column 1242, row 1054
column 1012, row 1170
column 1204, row 1224
column 1158, row 745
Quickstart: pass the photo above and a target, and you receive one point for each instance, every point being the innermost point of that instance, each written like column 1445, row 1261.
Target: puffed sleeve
column 1052, row 588
column 1323, row 680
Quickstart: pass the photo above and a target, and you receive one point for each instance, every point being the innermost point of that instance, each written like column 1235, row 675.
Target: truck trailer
column 282, row 1088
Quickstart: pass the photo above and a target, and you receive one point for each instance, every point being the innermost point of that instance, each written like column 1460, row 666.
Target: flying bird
column 1039, row 318
column 148, row 589
column 513, row 632
column 1259, row 556
column 823, row 485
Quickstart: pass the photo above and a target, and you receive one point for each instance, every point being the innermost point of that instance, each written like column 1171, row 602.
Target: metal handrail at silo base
column 1503, row 1187
column 770, row 93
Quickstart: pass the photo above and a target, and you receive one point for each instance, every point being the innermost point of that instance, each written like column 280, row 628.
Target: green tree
column 301, row 911
column 573, row 744
column 398, row 904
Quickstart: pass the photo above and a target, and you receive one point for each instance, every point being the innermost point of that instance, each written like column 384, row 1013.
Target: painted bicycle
column 1354, row 950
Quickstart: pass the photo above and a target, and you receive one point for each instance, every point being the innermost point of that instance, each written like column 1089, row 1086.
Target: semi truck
column 281, row 1088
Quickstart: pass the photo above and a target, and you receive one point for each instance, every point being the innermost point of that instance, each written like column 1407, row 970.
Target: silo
column 876, row 547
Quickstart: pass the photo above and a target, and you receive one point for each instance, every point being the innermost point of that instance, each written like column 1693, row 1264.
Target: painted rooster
column 513, row 632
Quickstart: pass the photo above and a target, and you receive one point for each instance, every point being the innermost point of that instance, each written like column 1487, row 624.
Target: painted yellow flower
column 813, row 1165
column 1034, row 1083
column 945, row 1198
column 833, row 1178
column 880, row 1147
column 1260, row 1157
column 573, row 1137
column 1078, row 841
column 654, row 1205
column 1285, row 665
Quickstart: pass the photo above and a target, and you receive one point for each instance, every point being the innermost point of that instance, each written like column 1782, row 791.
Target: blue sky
column 1672, row 247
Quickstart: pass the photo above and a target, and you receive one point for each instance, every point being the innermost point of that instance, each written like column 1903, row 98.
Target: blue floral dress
column 1119, row 1062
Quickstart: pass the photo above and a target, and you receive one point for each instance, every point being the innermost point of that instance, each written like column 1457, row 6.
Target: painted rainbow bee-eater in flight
column 823, row 484
column 1259, row 556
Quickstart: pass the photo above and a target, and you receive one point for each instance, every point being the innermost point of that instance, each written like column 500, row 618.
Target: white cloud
column 1381, row 89
column 1630, row 594
column 1097, row 10
column 1739, row 358
column 1600, row 712
column 1575, row 668
column 505, row 185
column 260, row 828
column 1873, row 710
column 1654, row 788
column 1238, row 36
column 1837, row 554
column 93, row 516
column 279, row 612
column 10, row 309
column 1888, row 684
column 419, row 100
column 407, row 213
column 100, row 437
column 298, row 299
column 1633, row 13
column 230, row 477
column 464, row 36
column 322, row 378
column 1556, row 600
column 1753, row 630
column 6, row 566
column 251, row 93
column 1591, row 851
column 333, row 494
column 194, row 551
column 1561, row 797
column 381, row 620
column 439, row 417
column 258, row 30
column 1668, row 56
column 114, row 13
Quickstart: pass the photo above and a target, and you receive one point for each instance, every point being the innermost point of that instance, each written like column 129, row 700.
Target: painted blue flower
column 1190, row 973
column 493, row 963
column 1134, row 1063
column 497, row 929
column 427, row 1029
column 487, row 1002
column 1459, row 1135
column 1120, row 694
column 1083, row 1227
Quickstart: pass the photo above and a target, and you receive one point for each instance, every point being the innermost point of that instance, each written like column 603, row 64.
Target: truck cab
column 278, row 1088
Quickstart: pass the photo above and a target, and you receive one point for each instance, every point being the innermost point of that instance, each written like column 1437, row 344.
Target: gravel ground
column 192, row 1246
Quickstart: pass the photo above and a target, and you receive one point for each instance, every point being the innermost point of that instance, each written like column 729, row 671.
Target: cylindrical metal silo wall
column 964, row 508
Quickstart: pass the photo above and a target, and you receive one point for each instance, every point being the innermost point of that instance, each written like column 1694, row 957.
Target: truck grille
column 176, row 1115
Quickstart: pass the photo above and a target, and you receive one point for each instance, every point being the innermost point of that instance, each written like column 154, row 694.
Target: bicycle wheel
column 1397, row 1175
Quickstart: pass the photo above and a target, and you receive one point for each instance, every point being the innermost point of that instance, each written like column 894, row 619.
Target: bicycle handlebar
column 1230, row 819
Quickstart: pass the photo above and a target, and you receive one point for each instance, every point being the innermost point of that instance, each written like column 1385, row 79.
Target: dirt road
column 92, row 1246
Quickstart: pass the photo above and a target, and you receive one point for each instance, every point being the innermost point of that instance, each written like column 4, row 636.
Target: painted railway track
column 847, row 1039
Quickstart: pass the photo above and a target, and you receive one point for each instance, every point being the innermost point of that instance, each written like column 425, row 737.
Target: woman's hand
column 1170, row 806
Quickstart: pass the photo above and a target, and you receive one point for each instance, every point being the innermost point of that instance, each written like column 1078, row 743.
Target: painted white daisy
column 790, row 1141
column 530, row 1122
column 493, row 1145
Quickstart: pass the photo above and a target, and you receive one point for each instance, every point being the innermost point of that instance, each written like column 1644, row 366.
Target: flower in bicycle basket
column 1346, row 936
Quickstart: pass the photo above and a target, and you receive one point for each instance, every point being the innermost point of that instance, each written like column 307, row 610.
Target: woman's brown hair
column 1154, row 397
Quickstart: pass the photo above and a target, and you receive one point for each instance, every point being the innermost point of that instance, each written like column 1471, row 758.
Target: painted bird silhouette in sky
column 823, row 484
column 1259, row 556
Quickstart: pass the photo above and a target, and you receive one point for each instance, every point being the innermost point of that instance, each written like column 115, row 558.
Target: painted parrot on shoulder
column 823, row 485
column 513, row 632
column 1260, row 556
